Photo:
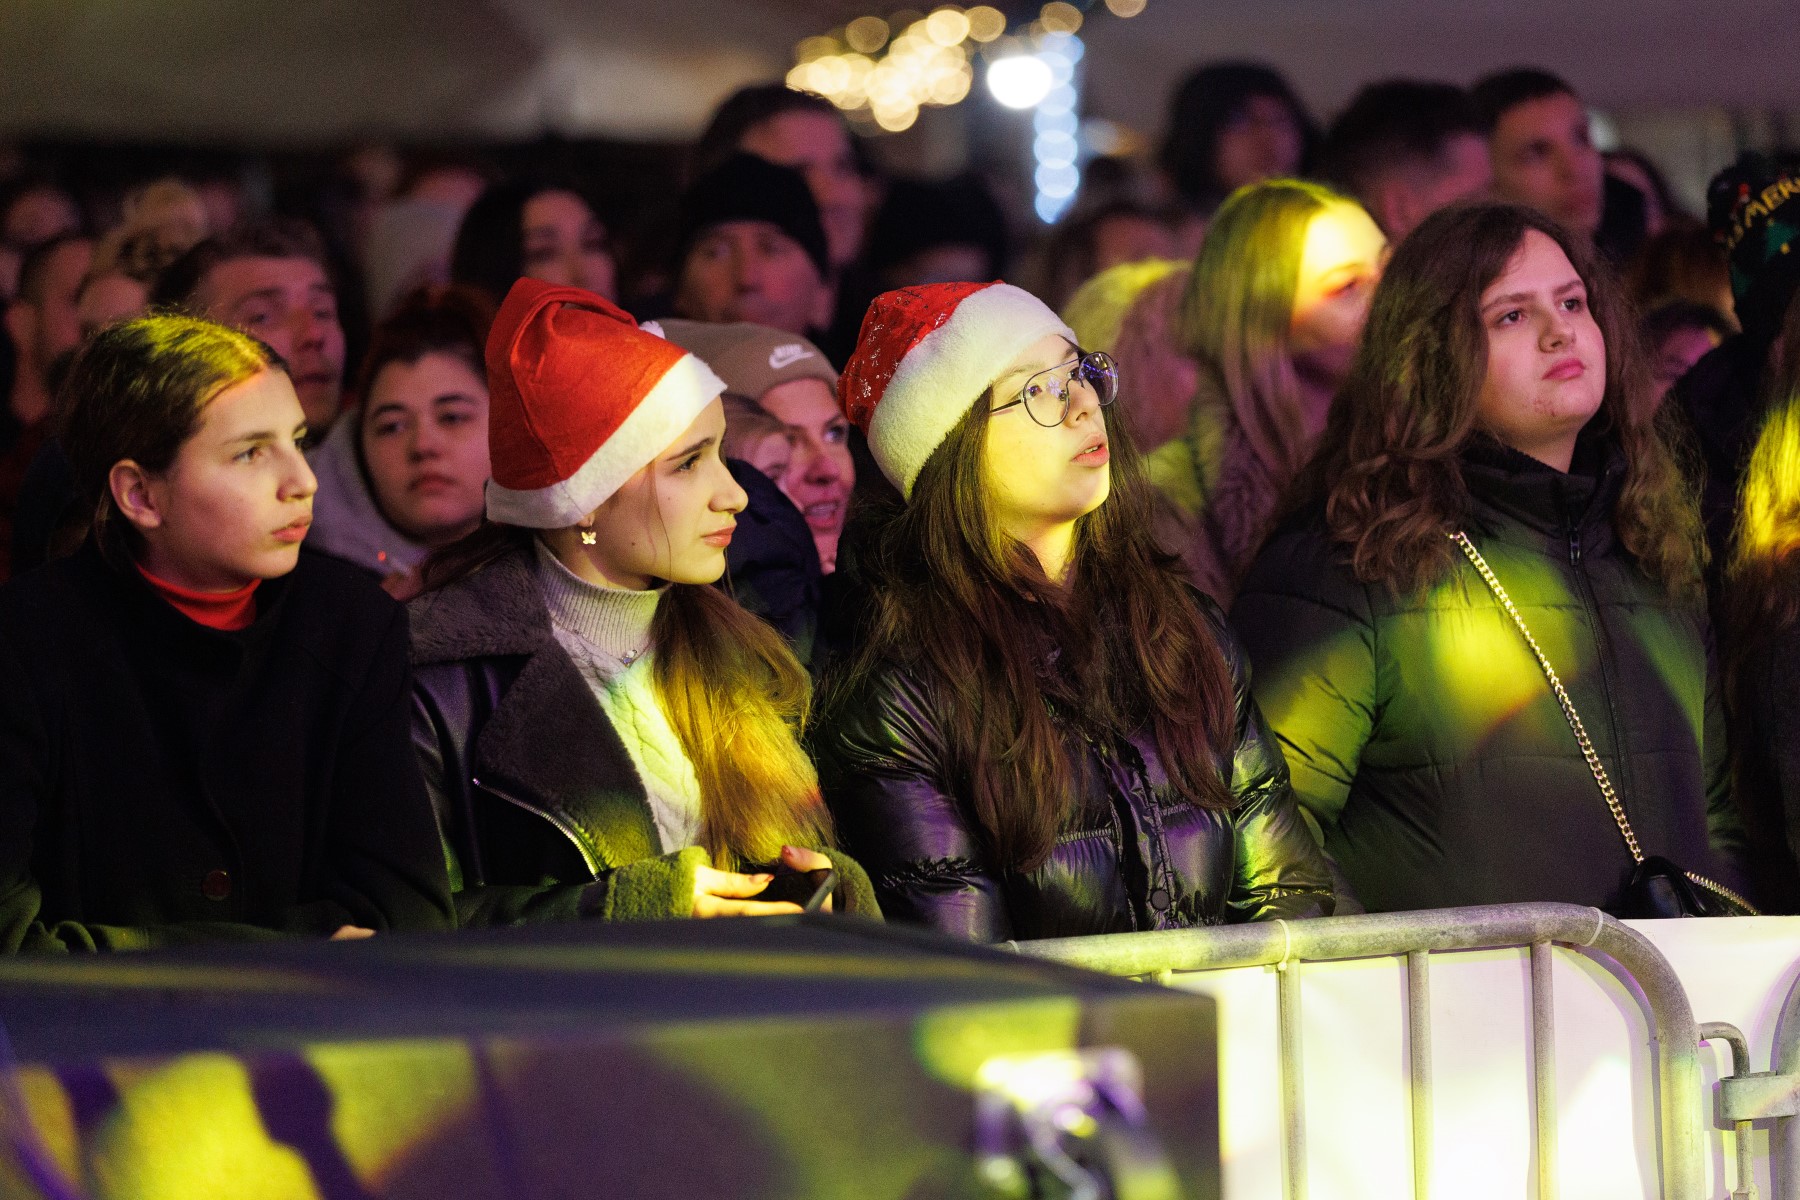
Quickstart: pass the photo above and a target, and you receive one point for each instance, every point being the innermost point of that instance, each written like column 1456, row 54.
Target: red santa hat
column 580, row 399
column 924, row 355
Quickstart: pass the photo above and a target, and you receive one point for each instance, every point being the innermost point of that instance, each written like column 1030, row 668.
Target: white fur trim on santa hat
column 939, row 378
column 660, row 417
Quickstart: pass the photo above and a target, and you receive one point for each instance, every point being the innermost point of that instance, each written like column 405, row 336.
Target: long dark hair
column 1389, row 470
column 1027, row 667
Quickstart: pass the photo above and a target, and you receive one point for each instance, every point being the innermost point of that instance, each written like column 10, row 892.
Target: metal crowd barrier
column 1414, row 936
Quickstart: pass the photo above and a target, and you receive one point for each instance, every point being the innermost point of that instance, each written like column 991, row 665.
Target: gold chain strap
column 1574, row 718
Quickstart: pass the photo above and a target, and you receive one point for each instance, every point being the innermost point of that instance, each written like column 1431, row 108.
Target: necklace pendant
column 630, row 656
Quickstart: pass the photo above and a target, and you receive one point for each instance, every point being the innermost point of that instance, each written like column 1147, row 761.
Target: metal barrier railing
column 1747, row 1096
column 1414, row 936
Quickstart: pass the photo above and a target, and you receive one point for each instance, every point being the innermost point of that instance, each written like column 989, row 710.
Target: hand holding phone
column 809, row 889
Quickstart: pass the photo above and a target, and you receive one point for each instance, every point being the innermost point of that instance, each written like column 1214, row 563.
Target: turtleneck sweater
column 606, row 633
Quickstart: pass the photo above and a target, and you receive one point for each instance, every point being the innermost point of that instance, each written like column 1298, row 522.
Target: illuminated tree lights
column 886, row 70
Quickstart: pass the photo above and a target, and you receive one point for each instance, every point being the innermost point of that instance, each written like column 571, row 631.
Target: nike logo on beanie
column 782, row 357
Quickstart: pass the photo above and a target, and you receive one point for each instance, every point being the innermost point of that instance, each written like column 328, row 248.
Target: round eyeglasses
column 1046, row 394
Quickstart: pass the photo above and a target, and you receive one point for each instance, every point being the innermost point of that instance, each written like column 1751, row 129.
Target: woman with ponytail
column 1046, row 732
column 604, row 734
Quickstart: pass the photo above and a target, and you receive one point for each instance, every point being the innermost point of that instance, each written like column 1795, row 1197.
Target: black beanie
column 1753, row 208
column 747, row 188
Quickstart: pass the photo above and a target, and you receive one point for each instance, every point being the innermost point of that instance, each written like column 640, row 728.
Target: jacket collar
column 1539, row 496
column 548, row 745
column 499, row 610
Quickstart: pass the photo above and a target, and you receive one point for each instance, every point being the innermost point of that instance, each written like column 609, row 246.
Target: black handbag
column 1654, row 887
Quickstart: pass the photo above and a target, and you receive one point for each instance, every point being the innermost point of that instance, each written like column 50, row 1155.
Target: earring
column 589, row 537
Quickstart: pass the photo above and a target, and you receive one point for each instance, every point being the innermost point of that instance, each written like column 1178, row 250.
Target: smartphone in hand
column 808, row 889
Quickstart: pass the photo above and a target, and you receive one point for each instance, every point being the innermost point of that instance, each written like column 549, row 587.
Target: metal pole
column 1418, row 1055
column 1676, row 1051
column 1784, row 1141
column 1543, row 1069
column 1732, row 1036
column 1293, row 1092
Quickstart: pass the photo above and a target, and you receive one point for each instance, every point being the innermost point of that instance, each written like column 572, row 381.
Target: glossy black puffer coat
column 1136, row 856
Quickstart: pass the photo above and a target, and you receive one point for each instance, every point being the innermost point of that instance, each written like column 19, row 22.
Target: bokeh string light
column 884, row 70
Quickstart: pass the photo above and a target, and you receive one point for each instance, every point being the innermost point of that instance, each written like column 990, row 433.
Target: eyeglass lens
column 1047, row 393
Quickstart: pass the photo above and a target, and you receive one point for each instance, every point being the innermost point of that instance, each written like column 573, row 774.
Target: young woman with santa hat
column 604, row 734
column 1046, row 732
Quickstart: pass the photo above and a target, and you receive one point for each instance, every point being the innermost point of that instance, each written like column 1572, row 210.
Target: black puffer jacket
column 1140, row 858
column 1422, row 734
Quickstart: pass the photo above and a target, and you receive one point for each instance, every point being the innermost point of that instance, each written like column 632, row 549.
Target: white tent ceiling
column 312, row 71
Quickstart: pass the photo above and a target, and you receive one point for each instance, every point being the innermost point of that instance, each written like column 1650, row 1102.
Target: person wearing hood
column 402, row 474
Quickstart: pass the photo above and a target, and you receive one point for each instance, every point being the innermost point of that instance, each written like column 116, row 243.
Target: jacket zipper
column 562, row 825
column 1588, row 606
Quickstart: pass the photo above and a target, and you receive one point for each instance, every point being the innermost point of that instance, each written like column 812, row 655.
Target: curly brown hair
column 1389, row 470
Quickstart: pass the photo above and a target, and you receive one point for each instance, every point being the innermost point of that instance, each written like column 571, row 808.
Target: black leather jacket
column 1141, row 857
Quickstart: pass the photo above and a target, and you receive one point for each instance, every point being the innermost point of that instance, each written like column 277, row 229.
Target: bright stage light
column 1019, row 81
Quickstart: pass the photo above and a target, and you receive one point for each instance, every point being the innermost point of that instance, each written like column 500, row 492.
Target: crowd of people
column 1400, row 514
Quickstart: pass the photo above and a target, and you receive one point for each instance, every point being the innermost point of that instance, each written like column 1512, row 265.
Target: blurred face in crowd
column 1410, row 193
column 818, row 146
column 290, row 304
column 1261, row 140
column 1128, row 237
column 49, row 324
column 772, row 453
column 752, row 271
column 565, row 243
column 1543, row 157
column 672, row 521
column 1546, row 369
column 1678, row 351
column 235, row 504
column 819, row 477
column 1339, row 268
column 1040, row 480
column 424, row 440
column 37, row 215
column 108, row 298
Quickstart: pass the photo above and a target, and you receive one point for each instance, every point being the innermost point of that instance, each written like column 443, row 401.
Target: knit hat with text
column 580, row 400
column 1753, row 208
column 925, row 355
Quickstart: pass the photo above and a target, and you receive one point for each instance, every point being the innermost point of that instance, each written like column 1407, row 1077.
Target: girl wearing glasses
column 1045, row 731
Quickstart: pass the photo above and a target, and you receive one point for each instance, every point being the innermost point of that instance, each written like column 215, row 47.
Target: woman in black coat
column 202, row 729
column 1046, row 732
column 1497, row 395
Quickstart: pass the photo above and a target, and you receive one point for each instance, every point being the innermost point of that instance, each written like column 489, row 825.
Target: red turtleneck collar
column 215, row 610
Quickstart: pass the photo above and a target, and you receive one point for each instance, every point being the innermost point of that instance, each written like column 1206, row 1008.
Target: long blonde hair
column 735, row 695
column 737, row 699
column 1238, row 312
